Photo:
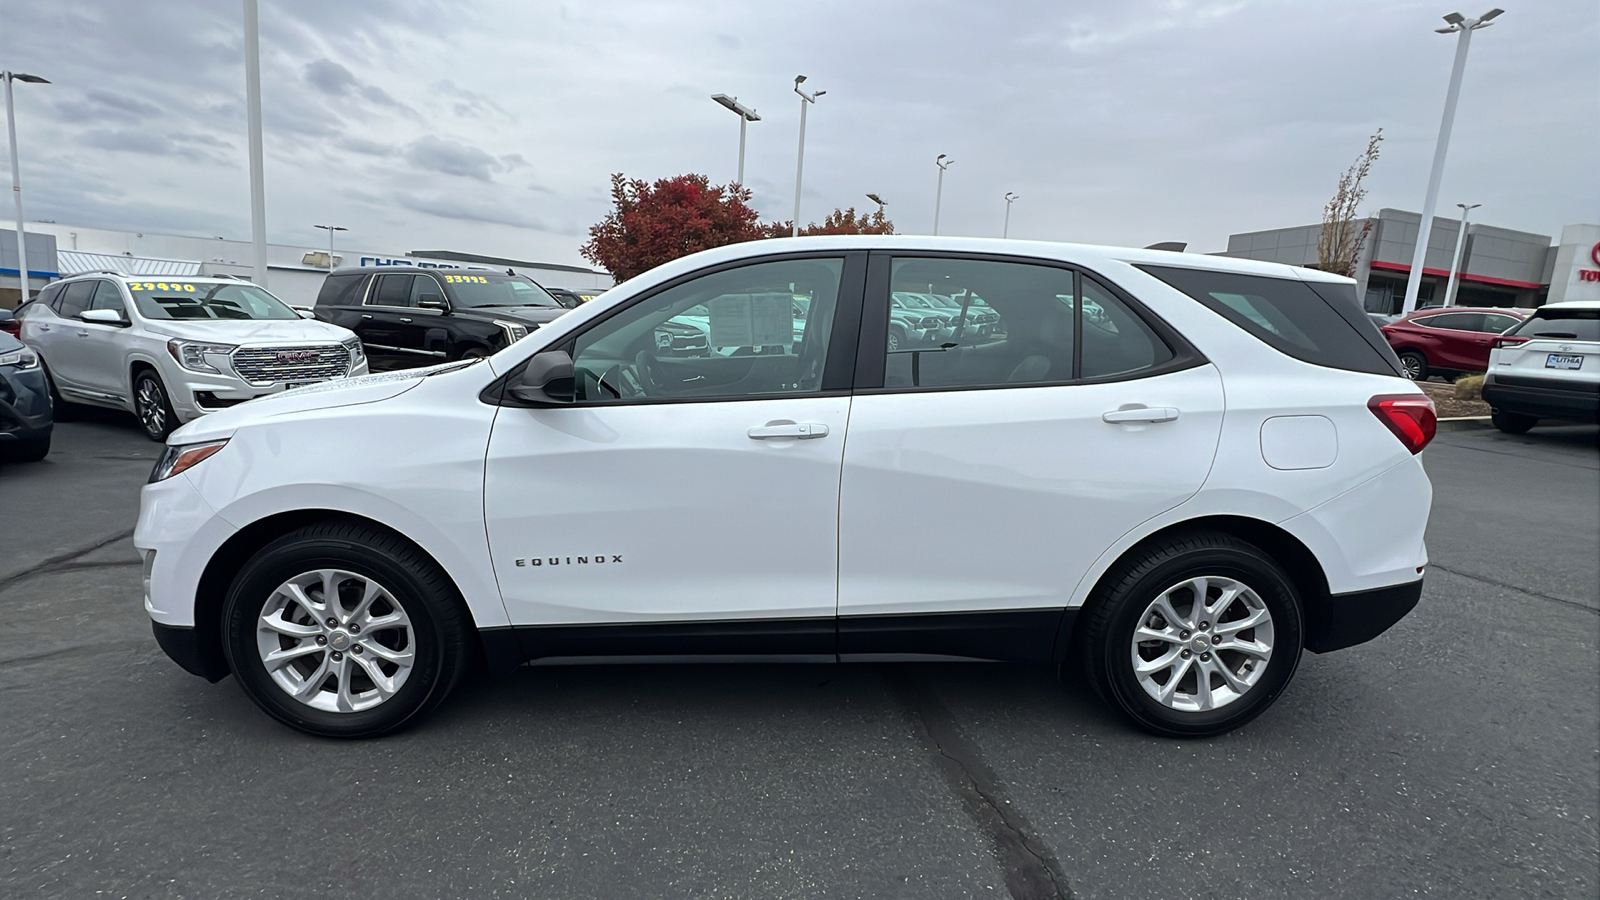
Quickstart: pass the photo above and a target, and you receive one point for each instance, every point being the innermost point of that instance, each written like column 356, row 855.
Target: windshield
column 1572, row 324
column 492, row 289
column 206, row 300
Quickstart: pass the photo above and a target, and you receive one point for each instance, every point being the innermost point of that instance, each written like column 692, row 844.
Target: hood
column 250, row 332
column 531, row 315
column 323, row 395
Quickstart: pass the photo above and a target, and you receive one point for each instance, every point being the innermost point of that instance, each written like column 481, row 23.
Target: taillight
column 1508, row 340
column 1410, row 417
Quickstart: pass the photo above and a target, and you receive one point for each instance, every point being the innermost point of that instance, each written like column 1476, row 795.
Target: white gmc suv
column 1181, row 471
column 170, row 350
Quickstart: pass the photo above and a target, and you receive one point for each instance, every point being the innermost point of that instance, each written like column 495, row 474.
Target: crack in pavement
column 56, row 561
column 73, row 650
column 1031, row 869
column 1512, row 587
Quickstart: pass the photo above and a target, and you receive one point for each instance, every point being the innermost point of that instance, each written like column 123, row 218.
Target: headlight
column 358, row 353
column 180, row 458
column 22, row 358
column 200, row 357
column 515, row 331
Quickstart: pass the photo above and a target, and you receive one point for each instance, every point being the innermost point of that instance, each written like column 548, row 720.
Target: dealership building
column 294, row 272
column 1499, row 266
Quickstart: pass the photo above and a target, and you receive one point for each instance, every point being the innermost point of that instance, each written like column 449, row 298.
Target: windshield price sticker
column 160, row 286
column 466, row 279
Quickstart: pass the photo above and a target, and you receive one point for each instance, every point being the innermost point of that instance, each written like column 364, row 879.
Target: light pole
column 800, row 158
column 1010, row 199
column 16, row 177
column 1463, row 27
column 330, row 229
column 252, row 95
column 1455, row 261
column 746, row 116
column 943, row 163
column 878, row 200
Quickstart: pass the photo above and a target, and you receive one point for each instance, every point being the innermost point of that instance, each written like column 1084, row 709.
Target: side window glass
column 755, row 331
column 1115, row 341
column 425, row 292
column 108, row 296
column 1495, row 324
column 971, row 323
column 391, row 290
column 341, row 290
column 76, row 298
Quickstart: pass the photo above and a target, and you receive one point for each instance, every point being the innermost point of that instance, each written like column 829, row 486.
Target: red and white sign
column 1591, row 274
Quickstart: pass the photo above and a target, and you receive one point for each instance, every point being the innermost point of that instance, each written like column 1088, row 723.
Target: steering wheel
column 652, row 381
column 621, row 383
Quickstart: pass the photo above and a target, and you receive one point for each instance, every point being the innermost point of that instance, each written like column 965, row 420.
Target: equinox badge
column 569, row 560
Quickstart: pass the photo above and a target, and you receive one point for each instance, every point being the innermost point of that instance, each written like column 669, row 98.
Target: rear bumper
column 1543, row 397
column 1345, row 620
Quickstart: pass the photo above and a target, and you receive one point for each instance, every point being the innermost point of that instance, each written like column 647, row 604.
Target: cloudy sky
column 492, row 126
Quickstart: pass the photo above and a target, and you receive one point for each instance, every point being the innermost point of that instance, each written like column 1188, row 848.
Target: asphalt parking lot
column 1456, row 756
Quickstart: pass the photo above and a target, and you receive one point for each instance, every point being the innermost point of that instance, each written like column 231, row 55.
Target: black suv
column 410, row 316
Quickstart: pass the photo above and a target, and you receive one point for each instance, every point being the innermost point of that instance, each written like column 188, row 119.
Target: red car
column 1449, row 341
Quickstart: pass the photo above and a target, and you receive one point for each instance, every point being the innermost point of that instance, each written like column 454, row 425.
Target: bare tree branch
column 1339, row 245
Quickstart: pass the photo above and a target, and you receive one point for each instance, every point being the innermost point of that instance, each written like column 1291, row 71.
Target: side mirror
column 303, row 312
column 545, row 380
column 432, row 301
column 103, row 316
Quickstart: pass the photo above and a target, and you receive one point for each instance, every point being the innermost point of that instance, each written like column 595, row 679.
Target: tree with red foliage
column 840, row 221
column 651, row 224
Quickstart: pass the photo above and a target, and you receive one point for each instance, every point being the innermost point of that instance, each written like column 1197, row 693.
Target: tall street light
column 1463, row 27
column 16, row 176
column 943, row 162
column 878, row 200
column 800, row 158
column 1010, row 199
column 330, row 229
column 252, row 93
column 746, row 116
column 1455, row 261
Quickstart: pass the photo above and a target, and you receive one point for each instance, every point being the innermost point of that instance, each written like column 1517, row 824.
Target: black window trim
column 872, row 356
column 838, row 369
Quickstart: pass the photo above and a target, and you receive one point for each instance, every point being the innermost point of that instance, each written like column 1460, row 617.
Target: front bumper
column 1542, row 397
column 1337, row 621
column 24, row 404
column 193, row 394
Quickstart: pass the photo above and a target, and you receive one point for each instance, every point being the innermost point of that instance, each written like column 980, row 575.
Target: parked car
column 1186, row 498
column 1449, row 341
column 568, row 299
column 25, row 415
column 170, row 351
column 1547, row 367
column 587, row 294
column 410, row 316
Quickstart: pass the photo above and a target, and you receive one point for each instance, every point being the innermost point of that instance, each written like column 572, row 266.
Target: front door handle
column 83, row 333
column 802, row 431
column 366, row 315
column 405, row 320
column 1140, row 414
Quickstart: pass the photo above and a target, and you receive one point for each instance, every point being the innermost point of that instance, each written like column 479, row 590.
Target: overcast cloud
column 492, row 126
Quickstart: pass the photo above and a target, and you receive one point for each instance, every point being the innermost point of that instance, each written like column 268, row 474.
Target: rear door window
column 1286, row 314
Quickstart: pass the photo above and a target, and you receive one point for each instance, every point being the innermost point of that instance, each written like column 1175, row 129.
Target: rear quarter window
column 341, row 290
column 1316, row 323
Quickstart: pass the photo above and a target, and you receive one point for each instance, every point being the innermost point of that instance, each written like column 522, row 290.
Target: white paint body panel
column 999, row 499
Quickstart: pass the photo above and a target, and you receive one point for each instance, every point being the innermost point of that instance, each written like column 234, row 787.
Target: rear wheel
column 1196, row 637
column 1414, row 365
column 1512, row 423
column 151, row 405
column 342, row 630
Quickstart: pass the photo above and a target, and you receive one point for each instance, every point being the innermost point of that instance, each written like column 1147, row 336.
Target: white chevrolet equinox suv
column 170, row 350
column 1180, row 492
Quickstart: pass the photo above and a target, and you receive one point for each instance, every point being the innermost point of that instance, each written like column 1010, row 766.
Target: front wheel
column 151, row 405
column 1194, row 638
column 341, row 630
column 1512, row 423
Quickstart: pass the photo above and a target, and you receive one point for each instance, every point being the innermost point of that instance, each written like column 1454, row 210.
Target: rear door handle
column 1140, row 414
column 366, row 315
column 803, row 431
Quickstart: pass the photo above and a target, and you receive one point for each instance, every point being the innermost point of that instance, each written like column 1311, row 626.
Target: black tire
column 1512, row 423
column 439, row 624
column 1121, row 602
column 152, row 406
column 29, row 450
column 1414, row 365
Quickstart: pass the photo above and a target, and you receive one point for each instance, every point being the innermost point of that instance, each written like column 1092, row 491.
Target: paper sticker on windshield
column 184, row 286
column 752, row 320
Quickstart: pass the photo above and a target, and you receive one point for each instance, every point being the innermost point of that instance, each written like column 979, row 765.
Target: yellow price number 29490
column 160, row 286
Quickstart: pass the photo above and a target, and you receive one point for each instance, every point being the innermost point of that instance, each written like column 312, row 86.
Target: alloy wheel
column 1411, row 366
column 151, row 403
column 1202, row 644
column 336, row 641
